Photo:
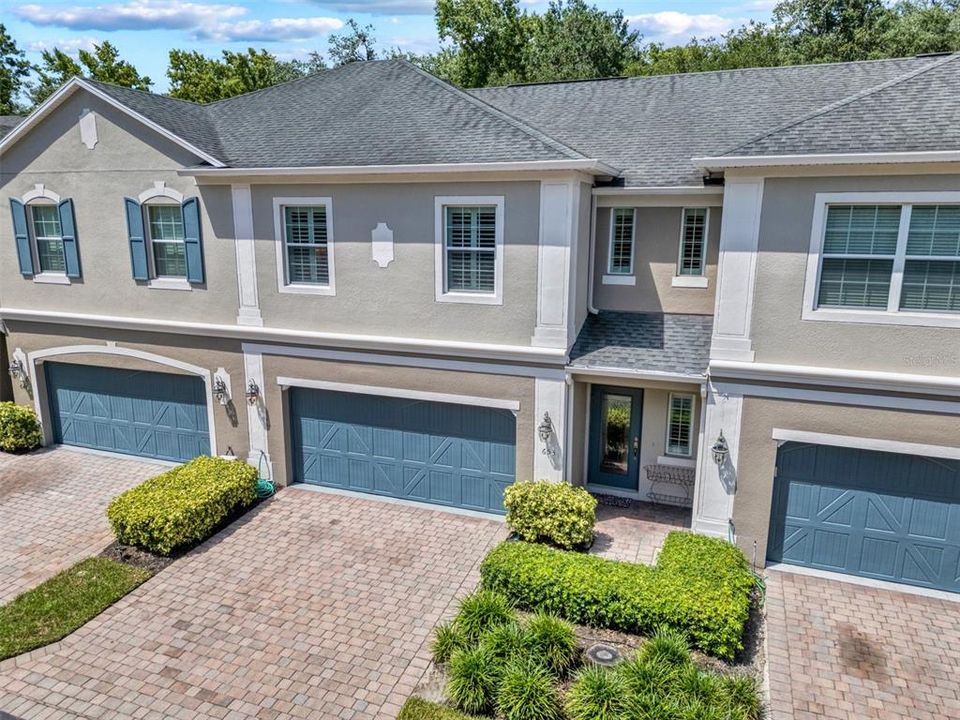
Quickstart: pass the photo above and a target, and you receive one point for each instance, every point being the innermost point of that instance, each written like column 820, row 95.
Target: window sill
column 51, row 279
column 690, row 281
column 883, row 317
column 296, row 289
column 470, row 298
column 676, row 461
column 169, row 284
column 619, row 280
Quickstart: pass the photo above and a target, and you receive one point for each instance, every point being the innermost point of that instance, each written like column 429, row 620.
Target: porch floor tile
column 634, row 531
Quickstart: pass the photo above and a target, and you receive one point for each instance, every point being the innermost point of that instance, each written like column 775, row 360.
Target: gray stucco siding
column 780, row 335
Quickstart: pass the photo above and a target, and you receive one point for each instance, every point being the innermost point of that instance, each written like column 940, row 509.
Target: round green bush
column 505, row 642
column 668, row 647
column 552, row 641
column 19, row 428
column 527, row 692
column 472, row 679
column 597, row 694
column 551, row 512
column 447, row 639
column 481, row 611
column 740, row 695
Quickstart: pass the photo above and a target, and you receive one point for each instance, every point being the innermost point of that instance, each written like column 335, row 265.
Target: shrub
column 555, row 513
column 666, row 647
column 552, row 641
column 527, row 692
column 481, row 611
column 19, row 428
column 182, row 506
column 472, row 679
column 597, row 694
column 740, row 695
column 700, row 587
column 505, row 642
column 446, row 641
column 419, row 709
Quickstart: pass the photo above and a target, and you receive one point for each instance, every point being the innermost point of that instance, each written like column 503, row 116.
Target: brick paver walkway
column 839, row 650
column 636, row 533
column 52, row 511
column 310, row 606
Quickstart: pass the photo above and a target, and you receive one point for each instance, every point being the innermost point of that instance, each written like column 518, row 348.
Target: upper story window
column 305, row 255
column 680, row 425
column 622, row 232
column 167, row 240
column 693, row 242
column 163, row 229
column 931, row 272
column 469, row 250
column 48, row 235
column 44, row 229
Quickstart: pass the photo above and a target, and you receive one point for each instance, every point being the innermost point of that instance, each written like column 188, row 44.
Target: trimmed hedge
column 700, row 586
column 551, row 512
column 19, row 428
column 182, row 506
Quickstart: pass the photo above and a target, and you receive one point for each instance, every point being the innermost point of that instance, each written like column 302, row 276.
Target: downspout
column 591, row 308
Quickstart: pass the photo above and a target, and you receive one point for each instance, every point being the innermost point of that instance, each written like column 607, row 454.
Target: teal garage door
column 147, row 414
column 455, row 455
column 873, row 514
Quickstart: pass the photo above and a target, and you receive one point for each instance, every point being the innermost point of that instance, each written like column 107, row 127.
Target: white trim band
column 750, row 161
column 862, row 443
column 393, row 392
column 585, row 165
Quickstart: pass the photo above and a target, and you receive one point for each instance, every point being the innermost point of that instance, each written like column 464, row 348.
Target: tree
column 356, row 45
column 196, row 77
column 831, row 30
column 14, row 69
column 921, row 26
column 487, row 39
column 104, row 64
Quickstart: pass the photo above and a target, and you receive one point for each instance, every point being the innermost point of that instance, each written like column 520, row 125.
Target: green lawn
column 57, row 607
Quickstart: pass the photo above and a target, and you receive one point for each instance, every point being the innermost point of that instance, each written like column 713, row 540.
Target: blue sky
column 144, row 30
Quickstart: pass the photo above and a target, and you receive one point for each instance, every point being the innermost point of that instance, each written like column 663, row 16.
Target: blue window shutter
column 22, row 237
column 68, row 230
column 191, row 238
column 138, row 240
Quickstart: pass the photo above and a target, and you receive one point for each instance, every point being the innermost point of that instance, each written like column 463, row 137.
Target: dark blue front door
column 874, row 514
column 615, row 437
column 148, row 414
column 448, row 454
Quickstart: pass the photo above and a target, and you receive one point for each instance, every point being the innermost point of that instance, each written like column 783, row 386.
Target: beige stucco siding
column 758, row 449
column 400, row 299
column 127, row 159
column 779, row 333
column 655, row 254
column 501, row 387
column 230, row 422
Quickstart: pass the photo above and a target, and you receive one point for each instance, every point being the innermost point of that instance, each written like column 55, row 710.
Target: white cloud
column 672, row 26
column 70, row 46
column 380, row 7
column 270, row 30
column 133, row 15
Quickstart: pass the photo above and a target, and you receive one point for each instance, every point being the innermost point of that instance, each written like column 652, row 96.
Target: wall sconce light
column 720, row 450
column 545, row 431
column 220, row 391
column 253, row 393
column 19, row 373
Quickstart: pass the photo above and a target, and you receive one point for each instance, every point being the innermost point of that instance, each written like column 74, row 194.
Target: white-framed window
column 887, row 258
column 680, row 425
column 694, row 225
column 622, row 235
column 304, row 233
column 168, row 248
column 469, row 249
column 48, row 238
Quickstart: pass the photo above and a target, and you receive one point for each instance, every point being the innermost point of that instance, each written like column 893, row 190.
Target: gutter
column 652, row 375
column 586, row 165
column 722, row 162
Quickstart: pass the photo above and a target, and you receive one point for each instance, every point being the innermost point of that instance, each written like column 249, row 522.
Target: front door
column 615, row 437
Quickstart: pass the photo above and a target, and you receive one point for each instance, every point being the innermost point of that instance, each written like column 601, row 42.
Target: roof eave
column 595, row 167
column 724, row 162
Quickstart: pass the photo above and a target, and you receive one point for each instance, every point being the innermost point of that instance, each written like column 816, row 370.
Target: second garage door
column 874, row 514
column 443, row 453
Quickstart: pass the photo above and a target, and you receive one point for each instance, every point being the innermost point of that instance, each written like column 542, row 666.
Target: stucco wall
column 400, row 299
column 758, row 449
column 779, row 333
column 127, row 159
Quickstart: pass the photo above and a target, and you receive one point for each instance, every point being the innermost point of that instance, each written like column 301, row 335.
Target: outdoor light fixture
column 19, row 373
column 545, row 431
column 253, row 392
column 720, row 450
column 220, row 391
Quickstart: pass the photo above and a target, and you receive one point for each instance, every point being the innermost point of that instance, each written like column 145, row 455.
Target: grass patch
column 57, row 607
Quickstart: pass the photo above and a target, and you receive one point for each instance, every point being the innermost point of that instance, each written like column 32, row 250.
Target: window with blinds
column 693, row 242
column 621, row 242
column 306, row 241
column 49, row 237
column 680, row 425
column 931, row 272
column 165, row 223
column 470, row 249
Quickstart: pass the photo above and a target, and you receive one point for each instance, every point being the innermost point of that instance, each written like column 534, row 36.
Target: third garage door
column 443, row 453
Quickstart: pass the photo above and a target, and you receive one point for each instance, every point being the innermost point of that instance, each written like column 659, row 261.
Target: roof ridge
column 489, row 109
column 843, row 102
column 291, row 81
column 142, row 92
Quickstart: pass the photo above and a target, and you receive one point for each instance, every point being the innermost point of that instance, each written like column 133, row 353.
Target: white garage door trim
column 861, row 443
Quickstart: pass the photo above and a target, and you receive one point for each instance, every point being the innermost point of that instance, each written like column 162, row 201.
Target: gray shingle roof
column 652, row 126
column 914, row 113
column 657, row 342
column 8, row 123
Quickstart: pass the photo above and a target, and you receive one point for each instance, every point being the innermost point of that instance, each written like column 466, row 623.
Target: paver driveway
column 52, row 511
column 840, row 650
column 313, row 605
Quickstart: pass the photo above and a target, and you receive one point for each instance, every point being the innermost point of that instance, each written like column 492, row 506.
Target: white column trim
column 550, row 396
column 242, row 201
column 554, row 257
column 716, row 485
column 256, row 413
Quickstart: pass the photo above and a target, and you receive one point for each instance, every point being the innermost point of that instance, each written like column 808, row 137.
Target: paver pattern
column 53, row 511
column 840, row 650
column 311, row 605
column 636, row 532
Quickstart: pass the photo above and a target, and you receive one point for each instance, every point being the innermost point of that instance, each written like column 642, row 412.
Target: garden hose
column 264, row 487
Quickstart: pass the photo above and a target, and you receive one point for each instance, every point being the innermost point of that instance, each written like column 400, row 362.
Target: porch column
column 717, row 484
column 256, row 413
column 550, row 398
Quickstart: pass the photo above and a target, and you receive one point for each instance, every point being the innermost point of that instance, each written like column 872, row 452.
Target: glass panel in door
column 615, row 437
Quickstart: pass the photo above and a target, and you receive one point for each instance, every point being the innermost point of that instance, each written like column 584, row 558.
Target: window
column 469, row 243
column 680, row 425
column 693, row 242
column 305, row 237
column 931, row 273
column 48, row 236
column 165, row 225
column 621, row 241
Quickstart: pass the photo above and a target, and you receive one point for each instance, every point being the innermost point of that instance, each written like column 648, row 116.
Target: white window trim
column 41, row 196
column 169, row 283
column 619, row 280
column 162, row 282
column 874, row 317
column 440, row 265
column 706, row 247
column 690, row 281
column 40, row 191
column 279, row 203
column 633, row 247
column 693, row 411
column 51, row 278
column 160, row 190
